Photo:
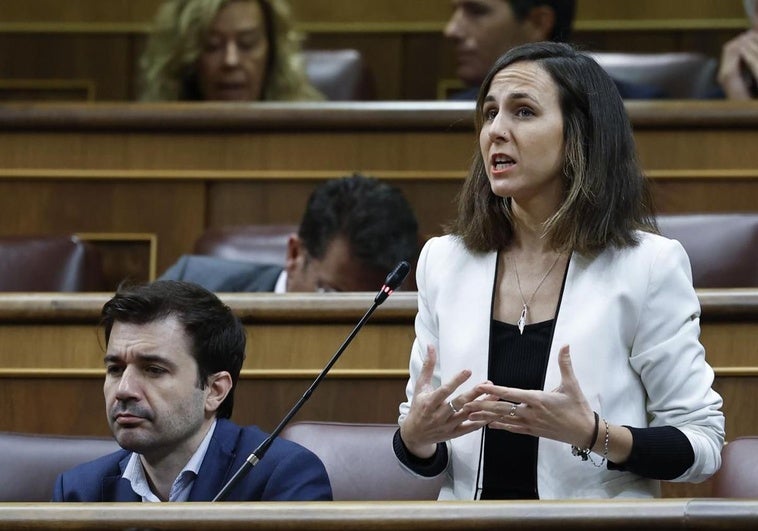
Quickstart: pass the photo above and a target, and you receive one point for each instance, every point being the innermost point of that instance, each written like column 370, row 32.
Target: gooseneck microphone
column 391, row 283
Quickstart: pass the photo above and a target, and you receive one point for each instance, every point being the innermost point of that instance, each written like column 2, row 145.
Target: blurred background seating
column 679, row 75
column 360, row 461
column 723, row 248
column 341, row 75
column 31, row 463
column 79, row 51
column 738, row 476
column 49, row 263
column 263, row 244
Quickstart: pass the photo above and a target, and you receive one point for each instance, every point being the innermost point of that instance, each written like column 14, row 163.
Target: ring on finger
column 512, row 412
column 452, row 406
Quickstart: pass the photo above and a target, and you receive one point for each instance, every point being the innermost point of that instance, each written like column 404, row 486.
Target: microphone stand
column 394, row 279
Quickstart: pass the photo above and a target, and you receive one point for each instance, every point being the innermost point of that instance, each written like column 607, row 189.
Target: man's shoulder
column 221, row 274
column 228, row 432
column 87, row 481
column 287, row 472
column 282, row 452
column 102, row 466
column 252, row 436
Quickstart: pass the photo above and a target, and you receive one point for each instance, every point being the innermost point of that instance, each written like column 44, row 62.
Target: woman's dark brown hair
column 606, row 197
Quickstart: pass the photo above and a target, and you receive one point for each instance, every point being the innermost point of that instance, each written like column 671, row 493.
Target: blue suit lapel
column 116, row 488
column 217, row 464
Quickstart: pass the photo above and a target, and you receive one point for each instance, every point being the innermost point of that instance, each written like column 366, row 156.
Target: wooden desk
column 173, row 170
column 688, row 514
column 51, row 360
column 49, row 345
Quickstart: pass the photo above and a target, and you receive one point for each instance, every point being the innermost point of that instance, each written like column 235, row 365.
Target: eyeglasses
column 325, row 288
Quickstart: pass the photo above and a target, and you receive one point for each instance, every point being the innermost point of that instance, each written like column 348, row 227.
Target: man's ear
column 539, row 23
column 219, row 385
column 295, row 254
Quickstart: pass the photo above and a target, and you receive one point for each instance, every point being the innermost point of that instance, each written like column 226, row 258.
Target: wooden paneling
column 427, row 15
column 726, row 194
column 177, row 169
column 74, row 404
column 103, row 63
column 653, row 13
column 298, row 332
column 283, row 334
column 131, row 256
column 82, row 14
column 290, row 338
column 47, row 90
column 172, row 210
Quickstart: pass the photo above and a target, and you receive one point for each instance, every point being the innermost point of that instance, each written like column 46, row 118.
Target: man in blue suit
column 173, row 357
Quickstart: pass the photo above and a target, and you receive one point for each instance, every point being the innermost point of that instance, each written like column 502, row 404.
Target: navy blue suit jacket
column 222, row 275
column 288, row 472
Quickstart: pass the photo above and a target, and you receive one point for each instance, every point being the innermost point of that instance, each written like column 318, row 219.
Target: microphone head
column 393, row 281
column 396, row 277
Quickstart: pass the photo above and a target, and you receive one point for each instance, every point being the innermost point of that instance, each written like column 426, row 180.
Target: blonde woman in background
column 230, row 50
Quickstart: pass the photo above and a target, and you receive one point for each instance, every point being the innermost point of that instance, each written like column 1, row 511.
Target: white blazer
column 632, row 319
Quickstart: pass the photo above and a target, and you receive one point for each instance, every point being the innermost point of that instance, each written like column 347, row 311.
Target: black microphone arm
column 391, row 283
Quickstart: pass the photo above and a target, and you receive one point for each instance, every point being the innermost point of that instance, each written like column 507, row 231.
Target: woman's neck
column 529, row 227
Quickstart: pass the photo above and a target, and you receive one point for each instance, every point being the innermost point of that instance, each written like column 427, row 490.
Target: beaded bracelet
column 605, row 443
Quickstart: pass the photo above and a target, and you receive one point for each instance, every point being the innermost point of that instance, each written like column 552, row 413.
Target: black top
column 516, row 360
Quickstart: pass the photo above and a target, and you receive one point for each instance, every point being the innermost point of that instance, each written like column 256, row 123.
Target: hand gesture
column 742, row 50
column 562, row 414
column 436, row 416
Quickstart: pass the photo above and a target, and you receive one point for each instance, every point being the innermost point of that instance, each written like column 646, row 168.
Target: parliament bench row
column 51, row 353
column 723, row 251
column 150, row 179
column 358, row 458
column 80, row 50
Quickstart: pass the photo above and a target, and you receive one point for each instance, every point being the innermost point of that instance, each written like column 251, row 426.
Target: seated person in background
column 232, row 50
column 483, row 30
column 738, row 70
column 554, row 320
column 354, row 231
column 173, row 356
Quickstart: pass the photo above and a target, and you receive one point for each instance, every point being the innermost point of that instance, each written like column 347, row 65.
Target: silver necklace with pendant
column 525, row 307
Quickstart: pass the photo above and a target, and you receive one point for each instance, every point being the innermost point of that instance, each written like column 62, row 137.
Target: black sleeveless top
column 515, row 360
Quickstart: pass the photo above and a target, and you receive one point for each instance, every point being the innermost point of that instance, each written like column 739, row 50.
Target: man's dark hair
column 564, row 15
column 374, row 217
column 216, row 334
